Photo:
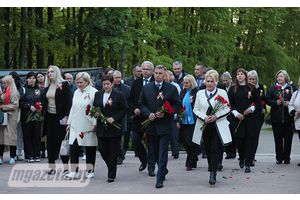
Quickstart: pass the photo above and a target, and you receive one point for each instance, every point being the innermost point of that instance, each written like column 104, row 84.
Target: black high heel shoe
column 242, row 163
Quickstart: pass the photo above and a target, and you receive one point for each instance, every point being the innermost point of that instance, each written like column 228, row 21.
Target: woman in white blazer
column 294, row 109
column 81, row 126
column 215, row 133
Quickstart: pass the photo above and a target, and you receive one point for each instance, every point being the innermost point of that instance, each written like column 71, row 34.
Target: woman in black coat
column 245, row 105
column 187, row 124
column 57, row 102
column 113, row 106
column 253, row 79
column 31, row 96
column 278, row 97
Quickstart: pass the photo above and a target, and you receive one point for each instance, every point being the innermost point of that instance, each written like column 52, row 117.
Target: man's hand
column 152, row 116
column 110, row 120
column 137, row 111
column 159, row 114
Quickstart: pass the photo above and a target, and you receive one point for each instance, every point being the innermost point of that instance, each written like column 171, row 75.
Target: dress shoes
column 110, row 180
column 119, row 161
column 164, row 176
column 204, row 155
column 188, row 168
column 298, row 165
column 252, row 163
column 151, row 173
column 278, row 162
column 247, row 169
column 220, row 167
column 159, row 185
column 176, row 156
column 142, row 167
column 212, row 178
column 287, row 162
column 51, row 172
column 242, row 163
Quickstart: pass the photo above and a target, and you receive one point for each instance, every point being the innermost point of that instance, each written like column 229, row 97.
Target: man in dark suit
column 137, row 132
column 136, row 73
column 153, row 97
column 178, row 73
column 125, row 89
column 199, row 74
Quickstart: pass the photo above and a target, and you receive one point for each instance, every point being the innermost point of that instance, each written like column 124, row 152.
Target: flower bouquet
column 37, row 115
column 221, row 103
column 96, row 112
column 166, row 108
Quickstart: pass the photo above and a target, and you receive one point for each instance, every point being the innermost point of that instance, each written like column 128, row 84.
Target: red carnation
column 88, row 108
column 263, row 103
column 277, row 87
column 253, row 104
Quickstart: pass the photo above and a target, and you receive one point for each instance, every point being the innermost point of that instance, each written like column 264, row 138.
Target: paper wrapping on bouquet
column 3, row 118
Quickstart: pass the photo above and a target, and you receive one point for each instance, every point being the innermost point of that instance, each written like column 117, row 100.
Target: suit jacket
column 149, row 102
column 280, row 114
column 129, row 81
column 116, row 110
column 134, row 96
column 202, row 105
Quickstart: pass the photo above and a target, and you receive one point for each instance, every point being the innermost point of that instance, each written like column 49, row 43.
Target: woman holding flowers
column 188, row 120
column 245, row 105
column 31, row 117
column 211, row 109
column 110, row 106
column 81, row 126
column 278, row 97
column 57, row 101
column 9, row 104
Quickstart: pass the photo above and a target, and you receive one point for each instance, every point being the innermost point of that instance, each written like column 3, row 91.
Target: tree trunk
column 80, row 37
column 67, row 37
column 39, row 48
column 22, row 39
column 74, row 37
column 100, row 54
column 50, row 38
column 14, row 28
column 30, row 43
column 6, row 36
column 135, row 50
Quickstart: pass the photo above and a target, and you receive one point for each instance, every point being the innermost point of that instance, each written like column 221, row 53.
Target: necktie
column 210, row 96
column 158, row 85
column 145, row 81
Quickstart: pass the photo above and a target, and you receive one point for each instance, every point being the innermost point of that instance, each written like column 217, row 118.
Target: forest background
column 264, row 39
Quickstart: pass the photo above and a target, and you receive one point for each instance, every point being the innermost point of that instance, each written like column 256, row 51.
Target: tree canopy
column 264, row 39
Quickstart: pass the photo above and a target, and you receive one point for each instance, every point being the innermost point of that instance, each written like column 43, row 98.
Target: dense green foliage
column 265, row 39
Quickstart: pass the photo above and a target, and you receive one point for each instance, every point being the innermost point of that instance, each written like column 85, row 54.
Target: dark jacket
column 63, row 99
column 178, row 80
column 150, row 103
column 129, row 81
column 125, row 89
column 134, row 96
column 116, row 110
column 279, row 113
column 28, row 97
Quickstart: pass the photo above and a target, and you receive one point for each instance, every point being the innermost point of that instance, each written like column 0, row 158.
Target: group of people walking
column 153, row 107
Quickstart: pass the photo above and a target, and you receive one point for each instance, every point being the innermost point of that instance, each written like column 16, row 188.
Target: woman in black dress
column 245, row 105
column 278, row 97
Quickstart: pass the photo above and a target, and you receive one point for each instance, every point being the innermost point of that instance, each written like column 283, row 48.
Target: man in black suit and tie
column 137, row 132
column 153, row 97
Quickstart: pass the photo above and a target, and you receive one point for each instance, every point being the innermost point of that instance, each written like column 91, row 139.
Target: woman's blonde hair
column 11, row 84
column 285, row 74
column 214, row 74
column 85, row 76
column 57, row 79
column 191, row 79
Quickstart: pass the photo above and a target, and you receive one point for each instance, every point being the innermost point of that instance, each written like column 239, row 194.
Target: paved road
column 266, row 176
